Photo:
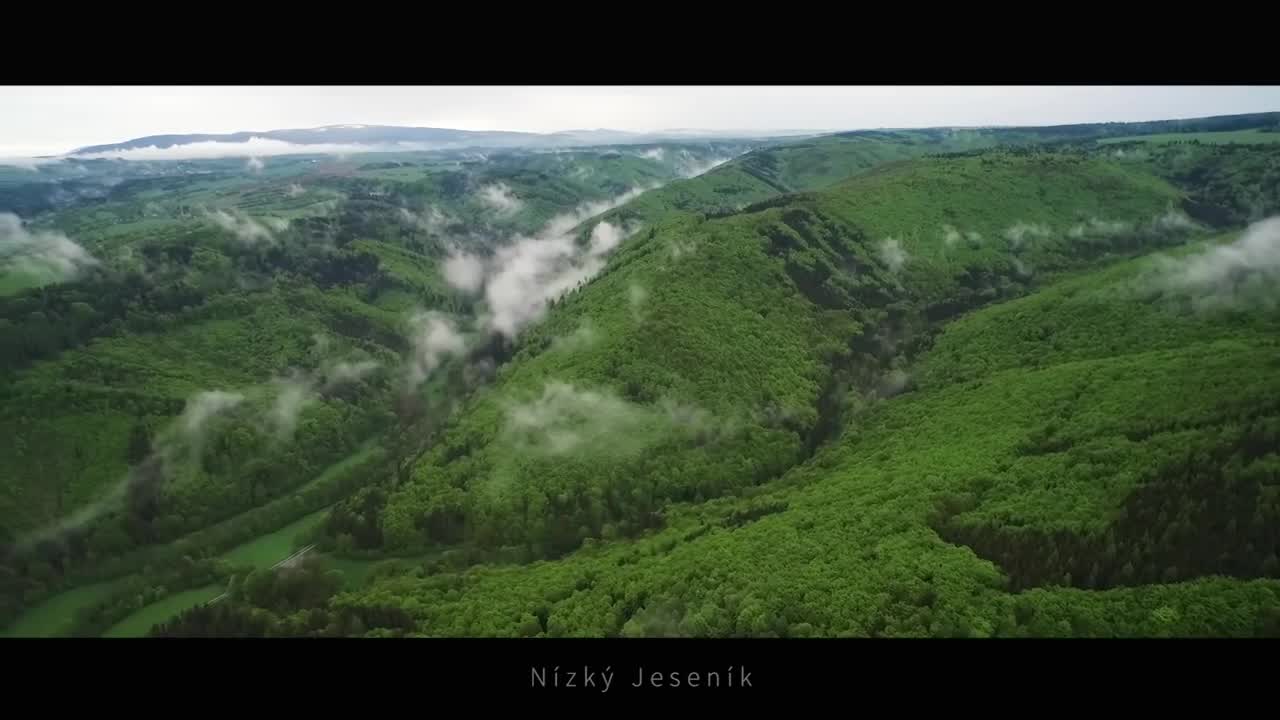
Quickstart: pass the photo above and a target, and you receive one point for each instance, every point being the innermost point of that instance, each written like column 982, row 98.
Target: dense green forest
column 994, row 382
column 233, row 338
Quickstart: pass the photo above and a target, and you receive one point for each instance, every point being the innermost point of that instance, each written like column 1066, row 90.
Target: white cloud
column 892, row 254
column 277, row 224
column 204, row 406
column 1099, row 228
column 520, row 277
column 1246, row 270
column 244, row 227
column 27, row 163
column 689, row 166
column 434, row 337
column 565, row 418
column 40, row 251
column 256, row 147
column 500, row 197
column 1021, row 268
column 1174, row 220
column 465, row 272
column 296, row 393
column 344, row 371
column 300, row 390
column 180, row 440
column 565, row 222
column 568, row 419
column 1020, row 232
column 636, row 296
column 892, row 383
column 680, row 247
column 294, row 190
column 431, row 220
column 605, row 236
column 255, row 165
column 528, row 273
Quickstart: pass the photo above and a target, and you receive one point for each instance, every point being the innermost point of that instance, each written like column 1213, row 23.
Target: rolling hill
column 983, row 382
column 1054, row 465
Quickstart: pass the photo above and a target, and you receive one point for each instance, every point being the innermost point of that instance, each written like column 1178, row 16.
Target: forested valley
column 933, row 383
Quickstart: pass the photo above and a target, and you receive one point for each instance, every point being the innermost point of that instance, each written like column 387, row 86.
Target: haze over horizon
column 57, row 119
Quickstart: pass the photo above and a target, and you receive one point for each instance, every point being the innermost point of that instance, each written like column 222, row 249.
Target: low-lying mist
column 1243, row 273
column 256, row 147
column 39, row 252
column 271, row 409
column 566, row 418
column 524, row 273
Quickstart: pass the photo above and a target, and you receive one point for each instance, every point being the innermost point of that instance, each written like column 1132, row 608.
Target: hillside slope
column 1095, row 459
column 787, row 166
column 183, row 304
column 234, row 335
column 751, row 335
column 713, row 355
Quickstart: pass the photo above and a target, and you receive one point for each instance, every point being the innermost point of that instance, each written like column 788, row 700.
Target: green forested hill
column 251, row 289
column 1120, row 489
column 716, row 351
column 935, row 507
column 930, row 382
column 273, row 308
column 791, row 167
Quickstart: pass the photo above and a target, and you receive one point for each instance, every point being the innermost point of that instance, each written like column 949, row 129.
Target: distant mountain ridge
column 428, row 137
column 395, row 137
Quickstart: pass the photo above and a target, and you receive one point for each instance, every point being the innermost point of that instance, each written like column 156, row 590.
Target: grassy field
column 54, row 616
column 17, row 280
column 261, row 552
column 139, row 623
column 269, row 549
column 1244, row 137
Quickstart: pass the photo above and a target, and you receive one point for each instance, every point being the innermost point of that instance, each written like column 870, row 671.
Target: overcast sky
column 48, row 120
